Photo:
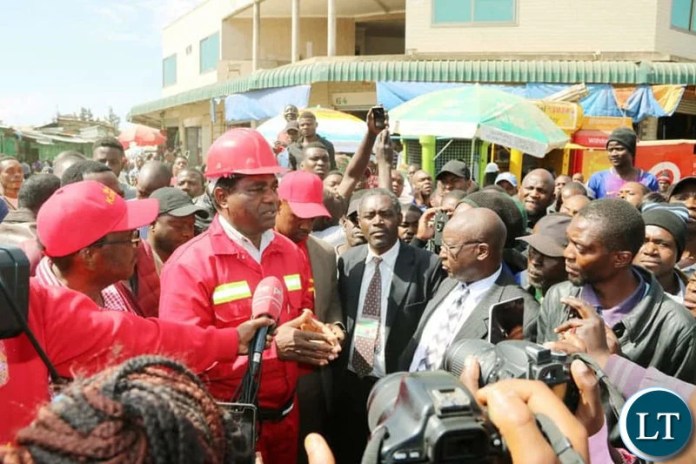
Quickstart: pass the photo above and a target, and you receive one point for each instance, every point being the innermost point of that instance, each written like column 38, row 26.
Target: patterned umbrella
column 344, row 130
column 478, row 112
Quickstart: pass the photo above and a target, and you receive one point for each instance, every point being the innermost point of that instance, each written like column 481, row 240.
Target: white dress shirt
column 386, row 269
column 476, row 291
column 241, row 240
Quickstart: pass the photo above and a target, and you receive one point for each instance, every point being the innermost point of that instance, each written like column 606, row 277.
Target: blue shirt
column 613, row 316
column 606, row 184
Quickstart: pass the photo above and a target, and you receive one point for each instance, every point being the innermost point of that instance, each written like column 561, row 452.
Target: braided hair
column 147, row 410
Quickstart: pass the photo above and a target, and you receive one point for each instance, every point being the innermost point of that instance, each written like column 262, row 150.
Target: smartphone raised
column 503, row 318
column 379, row 117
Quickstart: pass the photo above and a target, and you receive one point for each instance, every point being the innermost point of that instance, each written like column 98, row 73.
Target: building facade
column 344, row 50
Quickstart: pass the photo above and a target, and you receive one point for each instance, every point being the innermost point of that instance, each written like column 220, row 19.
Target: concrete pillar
column 428, row 151
column 331, row 33
column 256, row 35
column 295, row 37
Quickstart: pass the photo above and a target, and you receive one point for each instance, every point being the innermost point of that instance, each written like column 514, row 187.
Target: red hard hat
column 241, row 151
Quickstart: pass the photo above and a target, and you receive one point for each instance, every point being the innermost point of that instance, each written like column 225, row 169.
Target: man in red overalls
column 211, row 279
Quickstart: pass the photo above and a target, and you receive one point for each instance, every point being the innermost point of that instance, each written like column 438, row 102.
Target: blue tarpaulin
column 601, row 100
column 263, row 104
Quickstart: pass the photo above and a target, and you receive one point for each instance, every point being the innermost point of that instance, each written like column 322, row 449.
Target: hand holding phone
column 379, row 117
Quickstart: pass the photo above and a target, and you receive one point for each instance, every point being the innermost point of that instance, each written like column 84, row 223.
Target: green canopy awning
column 406, row 69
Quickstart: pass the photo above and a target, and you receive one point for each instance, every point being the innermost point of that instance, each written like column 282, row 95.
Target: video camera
column 430, row 417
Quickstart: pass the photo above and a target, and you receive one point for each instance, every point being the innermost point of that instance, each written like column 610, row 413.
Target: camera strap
column 615, row 397
column 374, row 446
column 559, row 443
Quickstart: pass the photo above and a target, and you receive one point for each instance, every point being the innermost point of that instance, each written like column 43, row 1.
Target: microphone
column 268, row 301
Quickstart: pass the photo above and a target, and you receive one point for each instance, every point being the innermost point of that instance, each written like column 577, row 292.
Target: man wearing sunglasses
column 95, row 257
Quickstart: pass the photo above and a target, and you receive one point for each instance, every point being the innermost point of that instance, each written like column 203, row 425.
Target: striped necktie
column 435, row 350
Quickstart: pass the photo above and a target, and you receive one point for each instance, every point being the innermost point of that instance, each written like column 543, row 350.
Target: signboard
column 566, row 115
column 353, row 100
column 591, row 138
column 604, row 123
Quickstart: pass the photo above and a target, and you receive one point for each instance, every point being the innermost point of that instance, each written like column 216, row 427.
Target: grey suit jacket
column 417, row 276
column 476, row 326
column 322, row 257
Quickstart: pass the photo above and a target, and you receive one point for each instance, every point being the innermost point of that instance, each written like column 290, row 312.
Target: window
column 169, row 71
column 684, row 14
column 210, row 52
column 473, row 11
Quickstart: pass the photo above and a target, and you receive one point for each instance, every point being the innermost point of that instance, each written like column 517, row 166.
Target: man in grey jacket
column 652, row 329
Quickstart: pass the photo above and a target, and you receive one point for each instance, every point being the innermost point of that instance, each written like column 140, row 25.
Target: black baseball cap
column 176, row 202
column 456, row 167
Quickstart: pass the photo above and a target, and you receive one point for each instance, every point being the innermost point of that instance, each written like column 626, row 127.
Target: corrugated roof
column 414, row 70
column 673, row 73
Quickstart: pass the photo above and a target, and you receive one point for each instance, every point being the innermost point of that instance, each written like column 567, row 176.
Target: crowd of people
column 382, row 269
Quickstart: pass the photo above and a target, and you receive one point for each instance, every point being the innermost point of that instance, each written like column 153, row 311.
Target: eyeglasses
column 134, row 240
column 450, row 248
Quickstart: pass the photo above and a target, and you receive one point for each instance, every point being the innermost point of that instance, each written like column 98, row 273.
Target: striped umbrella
column 344, row 130
column 478, row 112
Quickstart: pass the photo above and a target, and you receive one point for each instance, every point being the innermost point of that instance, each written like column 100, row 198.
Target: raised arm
column 358, row 163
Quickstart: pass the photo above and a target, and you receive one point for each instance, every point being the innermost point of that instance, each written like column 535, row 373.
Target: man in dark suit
column 384, row 287
column 472, row 254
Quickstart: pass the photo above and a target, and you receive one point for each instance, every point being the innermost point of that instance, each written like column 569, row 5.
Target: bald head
column 472, row 245
column 480, row 224
column 152, row 176
column 572, row 189
column 536, row 193
column 64, row 160
column 572, row 205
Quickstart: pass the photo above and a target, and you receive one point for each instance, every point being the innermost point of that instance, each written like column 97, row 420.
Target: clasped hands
column 307, row 340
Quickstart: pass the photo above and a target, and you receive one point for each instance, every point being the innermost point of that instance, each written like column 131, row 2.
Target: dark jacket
column 476, row 326
column 417, row 276
column 658, row 332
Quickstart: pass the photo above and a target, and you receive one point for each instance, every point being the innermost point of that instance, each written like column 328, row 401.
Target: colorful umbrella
column 344, row 130
column 478, row 112
column 141, row 135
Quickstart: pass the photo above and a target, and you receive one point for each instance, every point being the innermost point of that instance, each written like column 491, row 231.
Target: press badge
column 367, row 328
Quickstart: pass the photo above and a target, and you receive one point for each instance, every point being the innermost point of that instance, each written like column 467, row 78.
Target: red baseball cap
column 665, row 175
column 79, row 214
column 304, row 192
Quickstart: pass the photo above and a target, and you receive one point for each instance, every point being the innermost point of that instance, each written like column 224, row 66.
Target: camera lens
column 458, row 352
column 382, row 398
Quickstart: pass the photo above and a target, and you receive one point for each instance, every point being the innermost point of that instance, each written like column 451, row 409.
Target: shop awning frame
column 407, row 69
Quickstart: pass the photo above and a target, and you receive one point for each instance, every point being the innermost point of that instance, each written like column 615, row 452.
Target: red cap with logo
column 665, row 175
column 79, row 214
column 304, row 192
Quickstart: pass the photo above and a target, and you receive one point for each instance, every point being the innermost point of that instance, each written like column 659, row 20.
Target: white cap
column 492, row 167
column 507, row 176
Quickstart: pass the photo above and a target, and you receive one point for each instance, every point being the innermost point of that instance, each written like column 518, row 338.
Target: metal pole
column 331, row 35
column 256, row 36
column 295, row 39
